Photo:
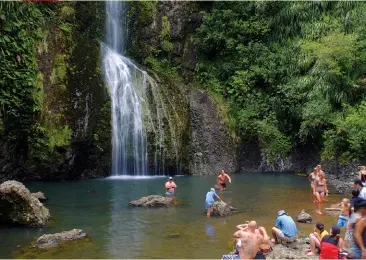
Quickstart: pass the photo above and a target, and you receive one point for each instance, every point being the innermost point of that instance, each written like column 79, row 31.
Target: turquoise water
column 100, row 208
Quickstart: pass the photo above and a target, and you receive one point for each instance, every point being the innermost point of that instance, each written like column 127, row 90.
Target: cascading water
column 129, row 154
column 127, row 86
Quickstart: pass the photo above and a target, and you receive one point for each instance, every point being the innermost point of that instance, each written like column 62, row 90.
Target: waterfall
column 129, row 155
column 134, row 94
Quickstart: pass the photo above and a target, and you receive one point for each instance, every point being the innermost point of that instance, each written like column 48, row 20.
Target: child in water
column 345, row 212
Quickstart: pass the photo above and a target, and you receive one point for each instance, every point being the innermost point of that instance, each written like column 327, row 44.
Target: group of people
column 352, row 217
column 253, row 242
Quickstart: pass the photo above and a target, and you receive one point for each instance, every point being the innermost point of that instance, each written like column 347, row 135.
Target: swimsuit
column 223, row 185
column 342, row 220
column 319, row 185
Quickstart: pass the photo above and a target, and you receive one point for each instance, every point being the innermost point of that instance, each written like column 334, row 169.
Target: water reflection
column 210, row 231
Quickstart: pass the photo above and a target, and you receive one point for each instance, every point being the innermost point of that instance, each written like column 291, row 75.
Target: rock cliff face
column 211, row 148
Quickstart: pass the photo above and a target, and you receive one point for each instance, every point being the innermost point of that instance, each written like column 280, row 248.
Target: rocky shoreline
column 341, row 178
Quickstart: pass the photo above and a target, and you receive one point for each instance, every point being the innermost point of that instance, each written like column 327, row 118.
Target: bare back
column 250, row 243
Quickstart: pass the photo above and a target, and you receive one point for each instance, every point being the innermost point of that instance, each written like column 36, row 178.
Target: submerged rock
column 151, row 201
column 304, row 217
column 53, row 240
column 333, row 212
column 221, row 209
column 39, row 195
column 19, row 206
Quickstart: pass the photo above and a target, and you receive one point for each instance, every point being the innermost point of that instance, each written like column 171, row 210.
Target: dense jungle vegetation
column 293, row 73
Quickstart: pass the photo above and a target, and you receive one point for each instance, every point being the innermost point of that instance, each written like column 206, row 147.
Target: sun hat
column 281, row 212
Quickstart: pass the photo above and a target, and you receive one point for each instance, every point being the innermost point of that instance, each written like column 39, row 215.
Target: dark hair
column 358, row 182
column 355, row 193
column 320, row 226
column 335, row 230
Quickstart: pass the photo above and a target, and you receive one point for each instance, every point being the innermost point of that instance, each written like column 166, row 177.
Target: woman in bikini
column 321, row 189
column 312, row 177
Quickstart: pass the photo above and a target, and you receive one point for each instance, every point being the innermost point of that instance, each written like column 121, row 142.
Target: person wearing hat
column 358, row 184
column 358, row 245
column 170, row 186
column 316, row 237
column 211, row 196
column 330, row 244
column 285, row 230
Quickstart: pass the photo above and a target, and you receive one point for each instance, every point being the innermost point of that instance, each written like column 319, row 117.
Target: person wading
column 170, row 186
column 221, row 180
column 211, row 196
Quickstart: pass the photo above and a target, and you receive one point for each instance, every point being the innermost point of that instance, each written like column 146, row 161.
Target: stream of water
column 100, row 208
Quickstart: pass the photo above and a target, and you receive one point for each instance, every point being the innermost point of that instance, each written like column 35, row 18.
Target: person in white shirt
column 358, row 184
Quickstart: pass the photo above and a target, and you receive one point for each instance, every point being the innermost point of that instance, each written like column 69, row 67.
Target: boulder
column 152, row 201
column 18, row 205
column 39, row 195
column 53, row 240
column 304, row 217
column 221, row 209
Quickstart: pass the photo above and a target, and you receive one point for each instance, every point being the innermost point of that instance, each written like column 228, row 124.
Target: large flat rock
column 152, row 201
column 53, row 240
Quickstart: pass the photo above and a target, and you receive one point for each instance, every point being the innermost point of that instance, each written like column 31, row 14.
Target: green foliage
column 286, row 69
column 164, row 36
column 20, row 85
column 348, row 137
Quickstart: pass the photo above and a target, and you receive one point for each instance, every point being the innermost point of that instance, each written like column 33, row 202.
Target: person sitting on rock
column 248, row 240
column 285, row 230
column 345, row 213
column 316, row 237
column 265, row 247
column 170, row 186
column 211, row 196
column 330, row 244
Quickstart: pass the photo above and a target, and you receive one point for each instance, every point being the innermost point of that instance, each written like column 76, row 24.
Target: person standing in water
column 312, row 177
column 211, row 196
column 221, row 180
column 170, row 186
column 320, row 190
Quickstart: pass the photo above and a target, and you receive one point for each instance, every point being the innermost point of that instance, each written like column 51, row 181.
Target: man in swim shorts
column 221, row 180
column 170, row 186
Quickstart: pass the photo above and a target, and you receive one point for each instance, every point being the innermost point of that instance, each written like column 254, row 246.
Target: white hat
column 170, row 178
column 213, row 189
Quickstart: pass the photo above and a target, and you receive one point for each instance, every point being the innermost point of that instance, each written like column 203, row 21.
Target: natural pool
column 100, row 208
